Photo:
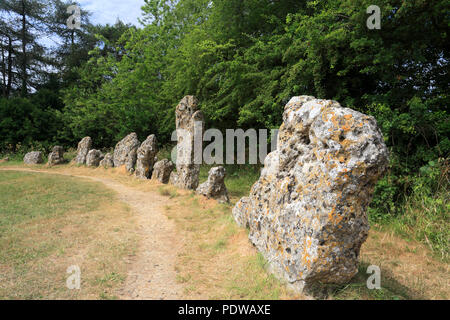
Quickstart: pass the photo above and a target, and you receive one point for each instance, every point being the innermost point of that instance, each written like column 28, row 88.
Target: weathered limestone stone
column 187, row 115
column 56, row 156
column 93, row 158
column 146, row 157
column 173, row 178
column 307, row 212
column 83, row 148
column 125, row 152
column 107, row 161
column 214, row 187
column 34, row 157
column 162, row 170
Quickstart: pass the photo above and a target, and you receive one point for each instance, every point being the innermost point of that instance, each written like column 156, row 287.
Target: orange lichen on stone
column 314, row 208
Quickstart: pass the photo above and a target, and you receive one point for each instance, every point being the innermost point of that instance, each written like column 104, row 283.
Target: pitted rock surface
column 214, row 187
column 162, row 170
column 93, row 158
column 34, row 157
column 125, row 152
column 83, row 148
column 146, row 157
column 187, row 114
column 56, row 156
column 107, row 161
column 307, row 212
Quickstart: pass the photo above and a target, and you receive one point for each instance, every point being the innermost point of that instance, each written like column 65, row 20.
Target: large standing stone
column 93, row 158
column 125, row 152
column 83, row 148
column 162, row 170
column 56, row 156
column 307, row 212
column 215, row 187
column 146, row 157
column 34, row 157
column 107, row 161
column 189, row 122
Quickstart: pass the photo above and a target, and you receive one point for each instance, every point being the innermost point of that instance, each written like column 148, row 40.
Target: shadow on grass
column 391, row 289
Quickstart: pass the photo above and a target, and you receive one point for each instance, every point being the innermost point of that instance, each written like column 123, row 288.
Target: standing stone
column 93, row 158
column 189, row 123
column 146, row 157
column 34, row 157
column 107, row 161
column 214, row 187
column 307, row 212
column 162, row 170
column 173, row 179
column 83, row 148
column 56, row 156
column 125, row 152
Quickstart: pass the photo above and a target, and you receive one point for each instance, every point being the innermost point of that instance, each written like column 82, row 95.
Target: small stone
column 146, row 157
column 125, row 152
column 107, row 161
column 173, row 178
column 162, row 171
column 93, row 158
column 83, row 148
column 214, row 187
column 34, row 157
column 56, row 156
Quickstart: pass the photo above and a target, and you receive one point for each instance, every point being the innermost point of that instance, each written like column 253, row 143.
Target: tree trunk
column 10, row 54
column 24, row 50
column 3, row 70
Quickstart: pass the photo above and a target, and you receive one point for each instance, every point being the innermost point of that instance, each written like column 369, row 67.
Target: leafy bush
column 25, row 126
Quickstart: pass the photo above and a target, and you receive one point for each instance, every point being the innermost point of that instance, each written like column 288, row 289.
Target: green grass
column 357, row 288
column 424, row 217
column 427, row 219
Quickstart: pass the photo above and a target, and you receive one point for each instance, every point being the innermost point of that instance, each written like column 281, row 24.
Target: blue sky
column 107, row 11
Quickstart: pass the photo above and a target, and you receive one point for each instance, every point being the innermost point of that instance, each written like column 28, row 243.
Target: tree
column 72, row 45
column 26, row 21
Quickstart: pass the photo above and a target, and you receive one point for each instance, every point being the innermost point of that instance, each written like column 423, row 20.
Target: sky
column 107, row 11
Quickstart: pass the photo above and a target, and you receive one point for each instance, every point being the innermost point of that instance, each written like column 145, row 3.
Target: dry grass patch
column 216, row 260
column 50, row 222
column 410, row 263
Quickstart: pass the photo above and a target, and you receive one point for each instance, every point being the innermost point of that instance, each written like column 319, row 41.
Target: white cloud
column 107, row 11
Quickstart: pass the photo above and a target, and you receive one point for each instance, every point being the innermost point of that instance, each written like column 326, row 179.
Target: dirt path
column 151, row 275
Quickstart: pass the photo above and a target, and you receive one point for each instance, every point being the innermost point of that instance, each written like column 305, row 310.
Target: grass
column 168, row 192
column 50, row 222
column 217, row 261
column 426, row 219
column 424, row 214
column 357, row 289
